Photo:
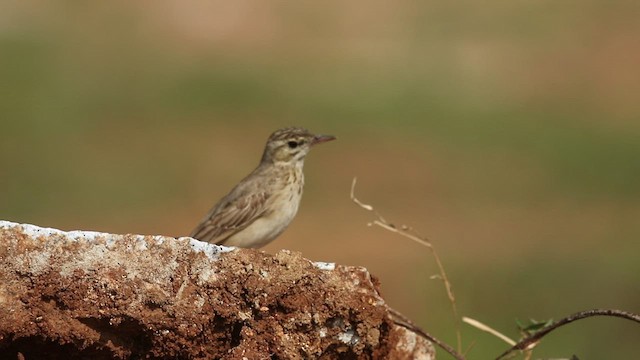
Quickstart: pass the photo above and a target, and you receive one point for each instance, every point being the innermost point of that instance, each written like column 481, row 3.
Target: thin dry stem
column 486, row 328
column 381, row 222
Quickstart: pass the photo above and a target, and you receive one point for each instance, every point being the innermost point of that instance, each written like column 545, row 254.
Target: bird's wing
column 229, row 217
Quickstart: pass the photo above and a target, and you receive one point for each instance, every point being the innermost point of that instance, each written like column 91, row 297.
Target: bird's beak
column 318, row 139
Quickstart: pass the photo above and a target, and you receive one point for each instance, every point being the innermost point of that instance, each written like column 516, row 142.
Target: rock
column 88, row 295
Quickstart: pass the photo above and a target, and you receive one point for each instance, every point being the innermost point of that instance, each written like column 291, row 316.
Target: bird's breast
column 280, row 210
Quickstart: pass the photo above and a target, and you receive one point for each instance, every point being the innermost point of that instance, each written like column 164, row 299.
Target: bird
column 261, row 206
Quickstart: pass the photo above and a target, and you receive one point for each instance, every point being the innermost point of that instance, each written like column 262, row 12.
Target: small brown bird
column 262, row 205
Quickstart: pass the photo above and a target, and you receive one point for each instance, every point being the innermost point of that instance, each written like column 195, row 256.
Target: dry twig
column 530, row 342
column 401, row 320
column 405, row 231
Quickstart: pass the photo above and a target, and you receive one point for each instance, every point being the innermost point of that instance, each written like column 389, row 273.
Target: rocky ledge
column 88, row 295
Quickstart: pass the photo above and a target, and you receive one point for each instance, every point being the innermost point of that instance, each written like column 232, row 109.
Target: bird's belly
column 266, row 228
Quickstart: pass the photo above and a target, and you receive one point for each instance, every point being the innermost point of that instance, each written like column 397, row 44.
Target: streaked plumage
column 263, row 204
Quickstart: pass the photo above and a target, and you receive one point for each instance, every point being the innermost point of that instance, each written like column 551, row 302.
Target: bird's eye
column 292, row 144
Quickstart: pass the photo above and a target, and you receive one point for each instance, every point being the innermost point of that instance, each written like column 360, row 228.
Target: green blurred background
column 508, row 132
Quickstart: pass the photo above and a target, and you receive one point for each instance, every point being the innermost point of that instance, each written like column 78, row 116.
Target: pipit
column 262, row 205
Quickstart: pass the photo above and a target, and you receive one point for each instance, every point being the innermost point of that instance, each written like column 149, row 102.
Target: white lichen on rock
column 140, row 242
column 325, row 265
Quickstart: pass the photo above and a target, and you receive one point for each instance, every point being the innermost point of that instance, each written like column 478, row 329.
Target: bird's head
column 291, row 145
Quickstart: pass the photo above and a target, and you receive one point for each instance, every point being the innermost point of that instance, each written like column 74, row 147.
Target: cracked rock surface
column 87, row 295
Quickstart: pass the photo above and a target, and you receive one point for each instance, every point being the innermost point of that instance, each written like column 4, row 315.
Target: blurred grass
column 506, row 131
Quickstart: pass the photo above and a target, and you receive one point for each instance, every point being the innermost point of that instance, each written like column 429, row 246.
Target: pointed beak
column 319, row 139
